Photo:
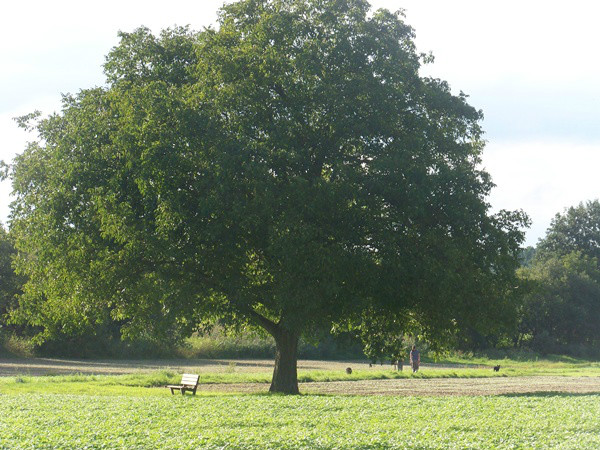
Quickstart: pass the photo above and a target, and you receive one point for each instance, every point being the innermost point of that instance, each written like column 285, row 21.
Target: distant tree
column 527, row 255
column 562, row 306
column 576, row 230
column 290, row 170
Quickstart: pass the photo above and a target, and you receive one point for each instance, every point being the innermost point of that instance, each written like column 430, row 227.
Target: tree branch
column 271, row 327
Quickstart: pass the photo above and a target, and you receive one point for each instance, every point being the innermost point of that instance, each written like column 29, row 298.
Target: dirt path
column 459, row 386
column 433, row 386
column 409, row 386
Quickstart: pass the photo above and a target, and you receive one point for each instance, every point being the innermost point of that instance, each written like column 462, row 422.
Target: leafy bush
column 219, row 344
column 14, row 345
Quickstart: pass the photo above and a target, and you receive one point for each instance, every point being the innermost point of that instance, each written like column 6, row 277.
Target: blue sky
column 530, row 66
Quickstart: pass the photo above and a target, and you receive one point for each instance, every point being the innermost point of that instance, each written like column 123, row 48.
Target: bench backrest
column 189, row 380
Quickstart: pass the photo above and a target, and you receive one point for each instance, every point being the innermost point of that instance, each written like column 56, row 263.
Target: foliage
column 10, row 283
column 290, row 170
column 527, row 255
column 381, row 338
column 286, row 422
column 246, row 344
column 11, row 339
column 576, row 230
column 15, row 345
column 562, row 308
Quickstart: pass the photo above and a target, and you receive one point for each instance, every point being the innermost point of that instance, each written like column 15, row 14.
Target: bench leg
column 172, row 391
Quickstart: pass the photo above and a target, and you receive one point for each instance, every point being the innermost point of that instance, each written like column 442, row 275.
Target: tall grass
column 13, row 345
column 219, row 344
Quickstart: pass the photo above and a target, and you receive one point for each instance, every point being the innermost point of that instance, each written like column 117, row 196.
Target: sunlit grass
column 299, row 422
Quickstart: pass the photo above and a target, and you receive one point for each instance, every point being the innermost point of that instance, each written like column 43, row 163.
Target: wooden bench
column 189, row 382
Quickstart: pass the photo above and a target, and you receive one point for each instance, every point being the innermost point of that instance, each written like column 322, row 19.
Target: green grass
column 130, row 411
column 70, row 421
column 518, row 360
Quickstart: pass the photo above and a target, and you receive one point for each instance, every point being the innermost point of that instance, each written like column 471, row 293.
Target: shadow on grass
column 491, row 358
column 551, row 394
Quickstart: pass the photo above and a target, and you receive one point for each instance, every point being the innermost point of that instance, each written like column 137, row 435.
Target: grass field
column 299, row 422
column 443, row 407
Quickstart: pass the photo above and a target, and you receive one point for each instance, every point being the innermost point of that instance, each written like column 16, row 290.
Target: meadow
column 68, row 421
column 556, row 406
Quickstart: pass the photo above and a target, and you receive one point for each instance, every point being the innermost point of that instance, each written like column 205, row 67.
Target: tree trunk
column 285, row 374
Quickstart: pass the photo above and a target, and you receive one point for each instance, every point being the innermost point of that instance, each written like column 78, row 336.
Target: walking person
column 415, row 359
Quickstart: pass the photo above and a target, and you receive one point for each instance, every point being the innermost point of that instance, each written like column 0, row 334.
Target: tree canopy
column 577, row 229
column 289, row 170
column 561, row 310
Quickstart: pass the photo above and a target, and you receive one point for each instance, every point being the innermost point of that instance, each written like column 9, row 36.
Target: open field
column 55, row 366
column 39, row 375
column 151, row 385
column 464, row 368
column 121, row 404
column 68, row 421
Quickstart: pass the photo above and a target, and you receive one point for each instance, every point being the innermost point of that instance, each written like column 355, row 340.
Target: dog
column 348, row 370
column 497, row 368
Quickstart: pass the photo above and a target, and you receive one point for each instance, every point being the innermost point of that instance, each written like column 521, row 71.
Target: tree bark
column 285, row 374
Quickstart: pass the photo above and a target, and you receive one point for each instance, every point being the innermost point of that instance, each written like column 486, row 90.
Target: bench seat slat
column 189, row 382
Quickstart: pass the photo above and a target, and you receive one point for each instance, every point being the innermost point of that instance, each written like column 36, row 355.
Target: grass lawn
column 69, row 421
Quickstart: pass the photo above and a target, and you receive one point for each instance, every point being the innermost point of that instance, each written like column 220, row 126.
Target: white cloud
column 542, row 178
column 478, row 42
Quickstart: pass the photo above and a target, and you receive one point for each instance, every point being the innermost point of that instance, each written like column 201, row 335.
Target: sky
column 530, row 66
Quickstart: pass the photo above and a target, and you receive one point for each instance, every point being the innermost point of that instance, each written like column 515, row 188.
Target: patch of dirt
column 458, row 386
column 432, row 387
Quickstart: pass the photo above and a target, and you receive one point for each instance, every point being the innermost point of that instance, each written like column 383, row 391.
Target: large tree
column 289, row 170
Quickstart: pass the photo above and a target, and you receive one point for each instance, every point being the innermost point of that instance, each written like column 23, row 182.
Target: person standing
column 415, row 359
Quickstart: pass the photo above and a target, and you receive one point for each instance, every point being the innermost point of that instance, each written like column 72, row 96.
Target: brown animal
column 348, row 370
column 497, row 368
